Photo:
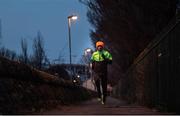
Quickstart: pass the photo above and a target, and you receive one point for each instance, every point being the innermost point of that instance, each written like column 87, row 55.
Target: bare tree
column 3, row 51
column 24, row 55
column 8, row 53
column 38, row 51
column 127, row 26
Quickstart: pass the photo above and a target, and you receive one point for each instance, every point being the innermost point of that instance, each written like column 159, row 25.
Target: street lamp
column 87, row 53
column 70, row 18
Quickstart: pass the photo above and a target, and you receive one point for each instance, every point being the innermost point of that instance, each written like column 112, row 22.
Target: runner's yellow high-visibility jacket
column 98, row 56
column 100, row 59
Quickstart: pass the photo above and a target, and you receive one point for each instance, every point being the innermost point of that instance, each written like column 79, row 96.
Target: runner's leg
column 104, row 87
column 97, row 82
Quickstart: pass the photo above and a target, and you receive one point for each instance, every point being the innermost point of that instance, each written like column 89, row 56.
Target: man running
column 100, row 59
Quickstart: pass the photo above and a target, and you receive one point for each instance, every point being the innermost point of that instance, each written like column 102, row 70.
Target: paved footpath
column 94, row 107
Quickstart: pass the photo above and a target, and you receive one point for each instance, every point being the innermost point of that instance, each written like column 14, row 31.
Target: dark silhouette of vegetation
column 39, row 58
column 24, row 56
column 8, row 53
column 127, row 26
column 26, row 90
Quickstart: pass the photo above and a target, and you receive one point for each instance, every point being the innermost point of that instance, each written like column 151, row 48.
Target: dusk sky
column 24, row 18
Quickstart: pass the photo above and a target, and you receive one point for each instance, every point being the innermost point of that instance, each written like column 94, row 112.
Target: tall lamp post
column 70, row 18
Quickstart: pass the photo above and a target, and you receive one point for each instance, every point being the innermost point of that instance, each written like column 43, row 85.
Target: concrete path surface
column 94, row 107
